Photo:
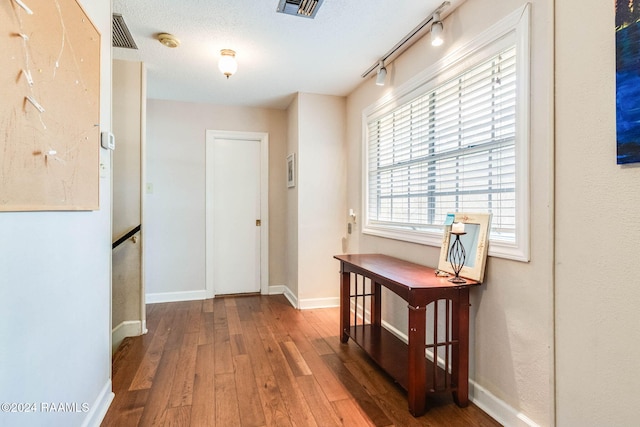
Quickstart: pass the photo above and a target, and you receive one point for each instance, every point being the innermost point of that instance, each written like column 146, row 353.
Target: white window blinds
column 451, row 149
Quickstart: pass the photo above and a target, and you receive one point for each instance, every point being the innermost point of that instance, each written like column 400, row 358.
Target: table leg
column 345, row 291
column 376, row 305
column 460, row 356
column 417, row 388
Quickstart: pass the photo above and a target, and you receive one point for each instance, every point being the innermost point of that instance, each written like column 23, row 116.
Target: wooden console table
column 447, row 342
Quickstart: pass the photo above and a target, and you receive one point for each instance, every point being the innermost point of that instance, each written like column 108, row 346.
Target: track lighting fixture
column 436, row 30
column 382, row 74
column 431, row 23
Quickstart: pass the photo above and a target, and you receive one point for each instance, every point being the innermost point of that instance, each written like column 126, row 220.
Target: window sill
column 497, row 248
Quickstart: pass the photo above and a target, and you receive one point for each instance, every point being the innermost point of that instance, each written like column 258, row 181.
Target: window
column 453, row 143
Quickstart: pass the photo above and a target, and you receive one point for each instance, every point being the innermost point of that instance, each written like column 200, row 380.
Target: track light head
column 436, row 30
column 382, row 75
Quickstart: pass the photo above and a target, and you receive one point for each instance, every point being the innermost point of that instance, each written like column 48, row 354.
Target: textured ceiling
column 278, row 55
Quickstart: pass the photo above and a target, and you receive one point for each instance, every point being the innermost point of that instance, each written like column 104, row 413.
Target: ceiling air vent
column 303, row 8
column 120, row 35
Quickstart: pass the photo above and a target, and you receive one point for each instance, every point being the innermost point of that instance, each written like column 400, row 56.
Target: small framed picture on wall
column 291, row 170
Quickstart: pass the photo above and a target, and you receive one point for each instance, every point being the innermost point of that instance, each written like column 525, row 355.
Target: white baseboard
column 293, row 300
column 276, row 289
column 304, row 304
column 128, row 328
column 311, row 303
column 175, row 296
column 99, row 407
column 397, row 332
column 496, row 408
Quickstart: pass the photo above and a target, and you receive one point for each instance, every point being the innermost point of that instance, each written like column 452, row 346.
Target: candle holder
column 457, row 257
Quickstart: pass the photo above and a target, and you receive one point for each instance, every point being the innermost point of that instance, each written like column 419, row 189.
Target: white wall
column 511, row 357
column 128, row 97
column 292, row 203
column 322, row 211
column 55, row 293
column 174, row 216
column 128, row 103
column 597, row 230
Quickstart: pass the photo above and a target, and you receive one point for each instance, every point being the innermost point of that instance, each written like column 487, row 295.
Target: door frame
column 263, row 137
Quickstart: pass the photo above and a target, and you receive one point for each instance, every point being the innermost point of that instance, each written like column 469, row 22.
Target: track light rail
column 407, row 40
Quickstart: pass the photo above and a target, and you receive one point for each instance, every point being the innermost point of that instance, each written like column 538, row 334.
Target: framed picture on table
column 475, row 241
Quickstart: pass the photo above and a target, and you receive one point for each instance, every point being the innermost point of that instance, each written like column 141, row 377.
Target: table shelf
column 387, row 350
column 391, row 354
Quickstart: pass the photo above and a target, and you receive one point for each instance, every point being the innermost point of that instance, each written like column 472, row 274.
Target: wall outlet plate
column 108, row 140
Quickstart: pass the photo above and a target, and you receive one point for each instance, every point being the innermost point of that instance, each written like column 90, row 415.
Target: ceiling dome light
column 169, row 40
column 436, row 30
column 227, row 63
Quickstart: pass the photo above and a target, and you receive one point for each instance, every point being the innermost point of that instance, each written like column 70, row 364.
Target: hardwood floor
column 256, row 361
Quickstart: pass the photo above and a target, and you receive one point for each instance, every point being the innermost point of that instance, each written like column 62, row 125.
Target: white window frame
column 513, row 29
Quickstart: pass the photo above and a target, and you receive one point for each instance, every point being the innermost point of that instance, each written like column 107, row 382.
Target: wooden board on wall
column 49, row 107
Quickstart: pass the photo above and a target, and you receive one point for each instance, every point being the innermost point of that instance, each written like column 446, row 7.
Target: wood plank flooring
column 256, row 361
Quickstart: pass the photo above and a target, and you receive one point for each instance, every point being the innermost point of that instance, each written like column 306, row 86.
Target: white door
column 235, row 168
column 234, row 231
